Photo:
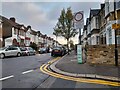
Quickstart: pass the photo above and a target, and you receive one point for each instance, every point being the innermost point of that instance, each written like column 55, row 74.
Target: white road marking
column 27, row 71
column 6, row 78
column 73, row 60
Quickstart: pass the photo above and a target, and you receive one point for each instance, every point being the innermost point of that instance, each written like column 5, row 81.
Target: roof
column 94, row 11
column 5, row 20
column 102, row 5
column 13, row 24
column 33, row 32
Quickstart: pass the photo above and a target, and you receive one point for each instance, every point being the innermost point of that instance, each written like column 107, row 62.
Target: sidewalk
column 68, row 65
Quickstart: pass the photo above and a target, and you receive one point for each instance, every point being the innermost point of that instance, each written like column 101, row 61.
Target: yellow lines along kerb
column 44, row 69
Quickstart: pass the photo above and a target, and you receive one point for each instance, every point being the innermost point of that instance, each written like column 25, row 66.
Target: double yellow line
column 44, row 69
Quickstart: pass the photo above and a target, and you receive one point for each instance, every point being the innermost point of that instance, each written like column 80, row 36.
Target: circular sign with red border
column 78, row 16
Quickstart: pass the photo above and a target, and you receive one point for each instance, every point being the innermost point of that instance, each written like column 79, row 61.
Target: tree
column 33, row 45
column 71, row 44
column 57, row 32
column 66, row 25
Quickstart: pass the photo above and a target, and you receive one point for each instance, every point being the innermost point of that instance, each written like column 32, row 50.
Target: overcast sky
column 42, row 16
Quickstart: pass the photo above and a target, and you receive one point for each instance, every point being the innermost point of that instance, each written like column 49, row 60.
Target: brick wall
column 101, row 54
column 0, row 37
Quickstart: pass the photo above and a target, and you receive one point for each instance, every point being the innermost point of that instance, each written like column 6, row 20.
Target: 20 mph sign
column 78, row 16
column 78, row 20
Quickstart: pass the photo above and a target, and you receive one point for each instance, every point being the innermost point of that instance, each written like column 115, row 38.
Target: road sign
column 115, row 26
column 78, row 16
column 79, row 19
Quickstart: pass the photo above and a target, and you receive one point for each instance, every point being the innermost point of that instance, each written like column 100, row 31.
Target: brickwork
column 0, row 37
column 101, row 54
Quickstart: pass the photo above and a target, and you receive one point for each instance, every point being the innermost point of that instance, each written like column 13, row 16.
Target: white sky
column 42, row 16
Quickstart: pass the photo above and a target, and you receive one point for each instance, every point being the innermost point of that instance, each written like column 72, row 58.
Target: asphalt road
column 23, row 72
column 53, row 82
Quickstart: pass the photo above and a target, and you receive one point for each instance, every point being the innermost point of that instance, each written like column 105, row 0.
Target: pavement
column 69, row 66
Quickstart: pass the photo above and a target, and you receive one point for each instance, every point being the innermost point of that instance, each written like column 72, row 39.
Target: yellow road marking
column 50, row 62
column 44, row 69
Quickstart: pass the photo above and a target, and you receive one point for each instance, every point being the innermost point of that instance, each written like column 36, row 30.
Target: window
column 96, row 22
column 21, row 32
column 15, row 31
column 118, row 40
column 97, row 39
column 8, row 49
column 14, row 48
column 110, row 35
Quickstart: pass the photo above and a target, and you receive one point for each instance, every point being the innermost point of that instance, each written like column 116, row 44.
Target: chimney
column 29, row 27
column 12, row 19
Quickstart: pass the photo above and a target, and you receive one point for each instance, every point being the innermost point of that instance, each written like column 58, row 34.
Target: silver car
column 10, row 51
column 28, row 51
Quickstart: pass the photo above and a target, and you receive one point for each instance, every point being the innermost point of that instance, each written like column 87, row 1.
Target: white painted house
column 17, row 33
column 94, row 22
column 109, row 15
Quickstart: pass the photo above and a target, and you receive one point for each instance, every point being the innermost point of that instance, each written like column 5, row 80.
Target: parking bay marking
column 8, row 77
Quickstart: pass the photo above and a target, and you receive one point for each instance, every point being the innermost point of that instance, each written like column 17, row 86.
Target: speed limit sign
column 78, row 16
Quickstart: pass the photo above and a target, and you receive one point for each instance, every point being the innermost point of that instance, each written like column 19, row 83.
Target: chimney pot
column 12, row 19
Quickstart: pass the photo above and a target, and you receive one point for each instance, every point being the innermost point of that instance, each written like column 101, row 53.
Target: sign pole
column 116, row 51
column 78, row 17
column 80, row 36
column 79, row 49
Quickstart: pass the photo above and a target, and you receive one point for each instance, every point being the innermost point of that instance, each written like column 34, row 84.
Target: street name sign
column 115, row 26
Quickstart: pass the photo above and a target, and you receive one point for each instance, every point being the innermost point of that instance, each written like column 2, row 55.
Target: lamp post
column 116, row 51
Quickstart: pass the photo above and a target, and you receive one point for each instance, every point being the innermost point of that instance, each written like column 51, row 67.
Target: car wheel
column 51, row 54
column 18, row 54
column 28, row 54
column 62, row 54
column 2, row 56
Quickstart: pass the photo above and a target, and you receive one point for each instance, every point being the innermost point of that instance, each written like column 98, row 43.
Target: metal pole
column 79, row 36
column 116, row 51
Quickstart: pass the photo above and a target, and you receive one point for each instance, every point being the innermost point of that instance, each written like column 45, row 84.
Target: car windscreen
column 58, row 48
column 23, row 49
column 3, row 48
column 42, row 48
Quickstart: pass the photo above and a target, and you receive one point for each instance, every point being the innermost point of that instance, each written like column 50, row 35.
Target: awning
column 27, row 38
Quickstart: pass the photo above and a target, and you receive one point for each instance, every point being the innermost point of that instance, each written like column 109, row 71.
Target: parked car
column 24, row 51
column 28, row 51
column 58, row 51
column 50, row 50
column 42, row 50
column 10, row 51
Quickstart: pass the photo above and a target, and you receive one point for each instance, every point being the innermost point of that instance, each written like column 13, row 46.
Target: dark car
column 59, row 51
column 42, row 50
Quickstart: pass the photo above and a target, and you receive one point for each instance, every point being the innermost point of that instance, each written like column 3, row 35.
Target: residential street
column 24, row 72
column 60, row 44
